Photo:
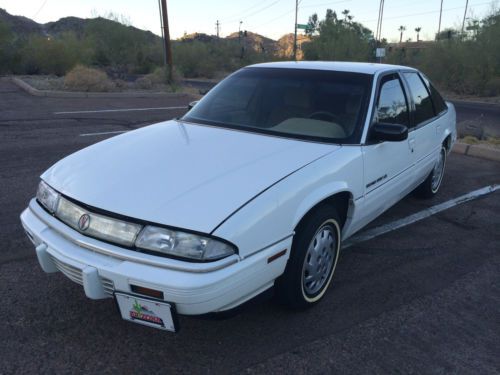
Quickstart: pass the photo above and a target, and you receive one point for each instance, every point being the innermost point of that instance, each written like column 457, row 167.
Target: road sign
column 380, row 52
column 302, row 26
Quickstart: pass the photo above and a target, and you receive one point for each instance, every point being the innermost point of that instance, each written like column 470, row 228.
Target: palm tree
column 418, row 29
column 401, row 30
column 345, row 12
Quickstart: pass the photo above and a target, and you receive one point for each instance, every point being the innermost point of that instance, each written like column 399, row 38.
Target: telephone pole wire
column 295, row 33
column 166, row 39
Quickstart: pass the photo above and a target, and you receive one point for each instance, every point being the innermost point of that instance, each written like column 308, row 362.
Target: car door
column 388, row 166
column 426, row 143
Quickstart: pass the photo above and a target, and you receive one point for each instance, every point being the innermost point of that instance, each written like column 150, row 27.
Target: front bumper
column 195, row 288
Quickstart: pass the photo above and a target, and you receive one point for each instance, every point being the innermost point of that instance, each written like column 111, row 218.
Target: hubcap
column 437, row 173
column 319, row 260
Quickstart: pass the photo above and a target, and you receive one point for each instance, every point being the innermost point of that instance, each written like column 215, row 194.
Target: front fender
column 274, row 214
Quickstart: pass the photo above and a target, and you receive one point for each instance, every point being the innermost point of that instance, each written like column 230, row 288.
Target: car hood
column 180, row 174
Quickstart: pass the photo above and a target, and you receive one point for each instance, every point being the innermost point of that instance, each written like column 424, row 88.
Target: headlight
column 95, row 225
column 47, row 196
column 182, row 244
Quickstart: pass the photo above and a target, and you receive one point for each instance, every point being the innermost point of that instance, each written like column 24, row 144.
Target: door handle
column 411, row 144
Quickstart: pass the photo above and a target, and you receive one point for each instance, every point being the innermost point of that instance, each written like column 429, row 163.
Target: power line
column 39, row 9
column 273, row 19
column 325, row 4
column 254, row 13
column 243, row 11
column 425, row 13
column 293, row 10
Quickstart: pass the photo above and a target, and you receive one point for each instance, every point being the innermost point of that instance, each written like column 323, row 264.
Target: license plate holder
column 149, row 312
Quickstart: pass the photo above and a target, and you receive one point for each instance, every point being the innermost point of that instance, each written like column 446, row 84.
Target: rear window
column 424, row 109
column 439, row 103
column 297, row 103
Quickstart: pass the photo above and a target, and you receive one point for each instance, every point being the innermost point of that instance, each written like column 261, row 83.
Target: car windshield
column 308, row 104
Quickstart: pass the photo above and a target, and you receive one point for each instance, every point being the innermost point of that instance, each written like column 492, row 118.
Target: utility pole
column 378, row 35
column 161, row 28
column 440, row 15
column 381, row 19
column 378, row 20
column 295, row 33
column 465, row 14
column 166, row 39
column 217, row 24
column 239, row 32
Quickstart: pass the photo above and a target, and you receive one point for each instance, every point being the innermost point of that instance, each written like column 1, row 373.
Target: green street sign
column 302, row 26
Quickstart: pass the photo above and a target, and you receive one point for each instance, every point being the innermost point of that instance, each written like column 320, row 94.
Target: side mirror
column 388, row 132
column 192, row 104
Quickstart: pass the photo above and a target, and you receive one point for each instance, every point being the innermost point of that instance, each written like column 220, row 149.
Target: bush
column 143, row 83
column 81, row 78
column 492, row 87
column 194, row 59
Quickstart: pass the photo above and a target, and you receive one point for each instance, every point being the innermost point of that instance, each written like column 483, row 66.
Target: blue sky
column 271, row 18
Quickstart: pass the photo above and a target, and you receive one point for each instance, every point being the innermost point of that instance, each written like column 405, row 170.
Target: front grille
column 72, row 273
column 75, row 275
column 109, row 287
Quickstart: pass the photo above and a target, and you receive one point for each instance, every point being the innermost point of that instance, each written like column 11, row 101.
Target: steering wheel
column 323, row 114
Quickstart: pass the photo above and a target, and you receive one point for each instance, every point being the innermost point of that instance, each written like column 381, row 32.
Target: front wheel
column 430, row 186
column 314, row 256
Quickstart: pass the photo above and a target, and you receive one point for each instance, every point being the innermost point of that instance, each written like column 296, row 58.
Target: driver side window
column 392, row 106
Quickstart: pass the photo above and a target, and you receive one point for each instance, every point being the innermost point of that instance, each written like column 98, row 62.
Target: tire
column 314, row 255
column 430, row 187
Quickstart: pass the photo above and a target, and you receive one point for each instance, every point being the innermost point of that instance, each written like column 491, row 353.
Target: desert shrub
column 492, row 87
column 143, row 83
column 82, row 78
column 44, row 55
column 194, row 59
column 122, row 46
column 467, row 64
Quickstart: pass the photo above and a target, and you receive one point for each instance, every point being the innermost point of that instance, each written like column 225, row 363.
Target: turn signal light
column 146, row 291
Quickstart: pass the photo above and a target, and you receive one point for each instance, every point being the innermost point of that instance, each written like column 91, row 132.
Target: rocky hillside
column 19, row 24
column 22, row 26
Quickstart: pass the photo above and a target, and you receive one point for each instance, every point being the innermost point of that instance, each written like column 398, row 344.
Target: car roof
column 340, row 66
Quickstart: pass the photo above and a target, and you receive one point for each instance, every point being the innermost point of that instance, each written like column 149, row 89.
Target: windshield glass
column 299, row 103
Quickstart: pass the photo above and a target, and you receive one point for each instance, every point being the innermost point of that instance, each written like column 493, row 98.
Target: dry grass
column 490, row 141
column 82, row 78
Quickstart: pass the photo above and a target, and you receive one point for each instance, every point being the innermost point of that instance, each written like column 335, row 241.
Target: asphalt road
column 421, row 299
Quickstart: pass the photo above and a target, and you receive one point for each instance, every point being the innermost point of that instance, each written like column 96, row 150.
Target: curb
column 73, row 94
column 461, row 101
column 478, row 151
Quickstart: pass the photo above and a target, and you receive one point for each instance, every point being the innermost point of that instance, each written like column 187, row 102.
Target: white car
column 257, row 185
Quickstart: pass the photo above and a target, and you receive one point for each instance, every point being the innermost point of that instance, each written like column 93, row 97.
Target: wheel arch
column 342, row 200
column 447, row 143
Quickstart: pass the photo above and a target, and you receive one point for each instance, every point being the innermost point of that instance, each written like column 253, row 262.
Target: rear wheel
column 314, row 256
column 430, row 186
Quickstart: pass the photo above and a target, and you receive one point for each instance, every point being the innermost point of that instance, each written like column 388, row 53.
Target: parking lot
column 424, row 298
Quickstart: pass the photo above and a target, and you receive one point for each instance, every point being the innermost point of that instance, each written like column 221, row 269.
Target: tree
column 447, row 34
column 312, row 25
column 401, row 30
column 418, row 29
column 340, row 39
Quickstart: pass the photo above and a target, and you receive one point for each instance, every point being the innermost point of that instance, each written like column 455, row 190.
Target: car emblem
column 84, row 222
